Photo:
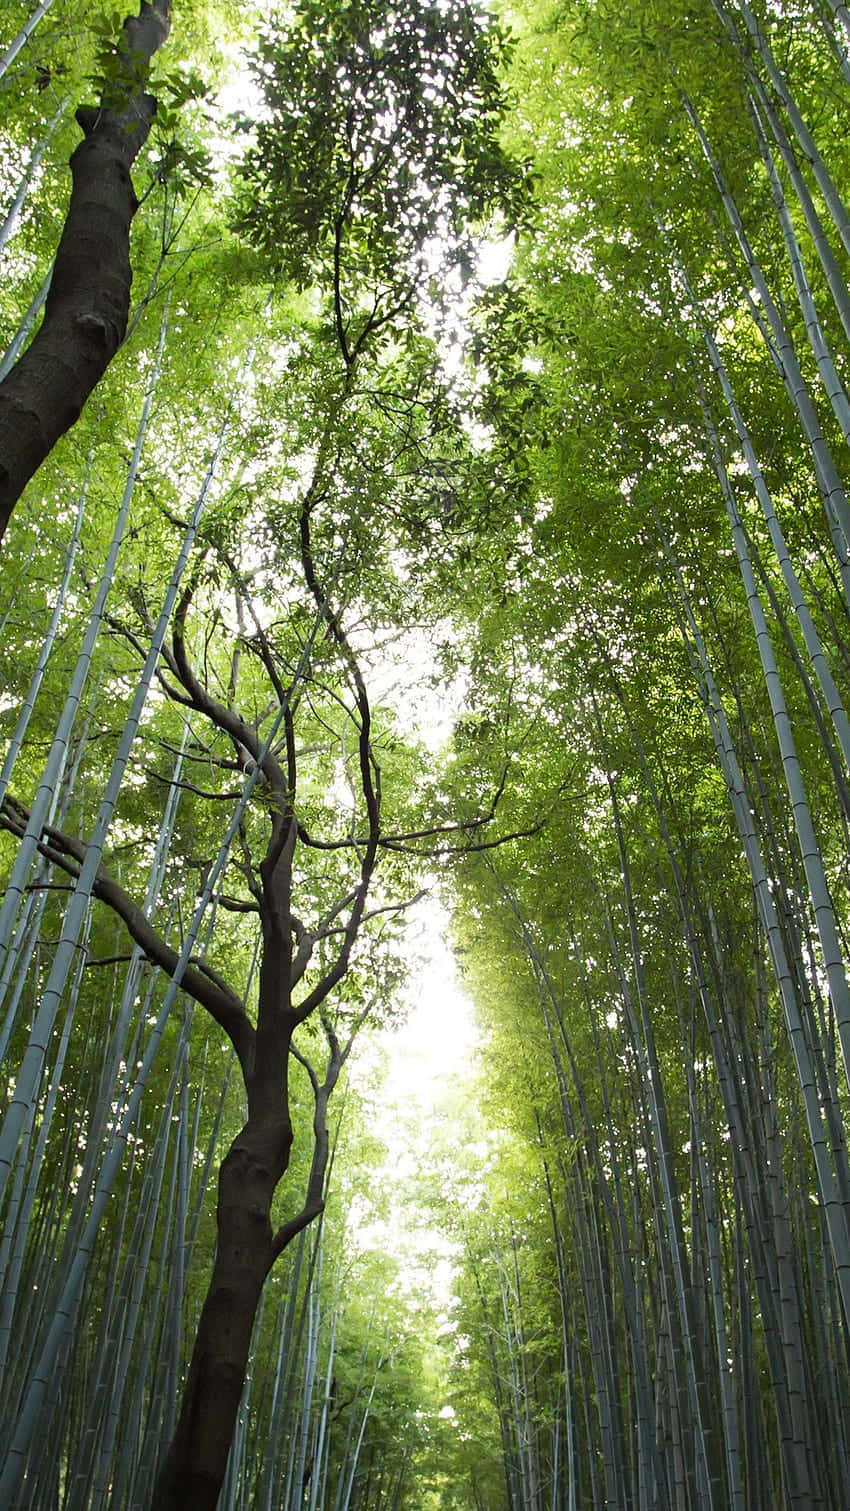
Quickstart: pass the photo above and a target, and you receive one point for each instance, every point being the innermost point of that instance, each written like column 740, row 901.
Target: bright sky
column 437, row 1043
column 439, row 1038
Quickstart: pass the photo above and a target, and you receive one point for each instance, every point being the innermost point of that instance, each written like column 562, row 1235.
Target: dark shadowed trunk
column 193, row 1471
column 87, row 308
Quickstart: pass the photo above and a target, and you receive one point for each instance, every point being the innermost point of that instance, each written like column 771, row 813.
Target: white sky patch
column 439, row 1039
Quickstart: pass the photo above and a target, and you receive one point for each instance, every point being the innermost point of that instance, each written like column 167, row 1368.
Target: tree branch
column 85, row 316
column 206, row 986
column 314, row 1202
column 369, row 771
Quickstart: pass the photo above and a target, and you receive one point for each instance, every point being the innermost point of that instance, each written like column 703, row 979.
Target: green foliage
column 381, row 139
column 519, row 478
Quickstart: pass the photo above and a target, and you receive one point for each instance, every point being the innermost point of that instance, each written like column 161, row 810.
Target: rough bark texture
column 192, row 1474
column 86, row 312
column 193, row 1470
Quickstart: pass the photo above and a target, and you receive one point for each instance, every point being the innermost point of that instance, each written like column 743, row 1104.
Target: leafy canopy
column 381, row 138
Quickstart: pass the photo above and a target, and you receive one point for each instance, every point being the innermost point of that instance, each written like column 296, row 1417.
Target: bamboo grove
column 597, row 510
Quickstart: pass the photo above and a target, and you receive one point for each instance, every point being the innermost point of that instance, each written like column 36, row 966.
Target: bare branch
column 213, row 797
column 442, row 852
column 243, row 735
column 404, row 841
column 302, row 1060
column 235, row 904
column 390, row 907
column 209, row 989
column 314, row 1196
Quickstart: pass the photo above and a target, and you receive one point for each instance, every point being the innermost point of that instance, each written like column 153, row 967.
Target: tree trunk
column 89, row 300
column 193, row 1471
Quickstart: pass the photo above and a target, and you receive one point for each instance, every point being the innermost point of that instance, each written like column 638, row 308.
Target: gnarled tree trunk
column 87, row 308
column 193, row 1470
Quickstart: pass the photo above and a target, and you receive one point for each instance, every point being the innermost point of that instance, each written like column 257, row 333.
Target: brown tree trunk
column 86, row 313
column 193, row 1471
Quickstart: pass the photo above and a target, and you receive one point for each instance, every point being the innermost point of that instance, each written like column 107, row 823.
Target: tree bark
column 194, row 1467
column 193, row 1471
column 88, row 304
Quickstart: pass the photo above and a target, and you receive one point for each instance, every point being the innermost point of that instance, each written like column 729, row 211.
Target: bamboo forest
column 425, row 785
